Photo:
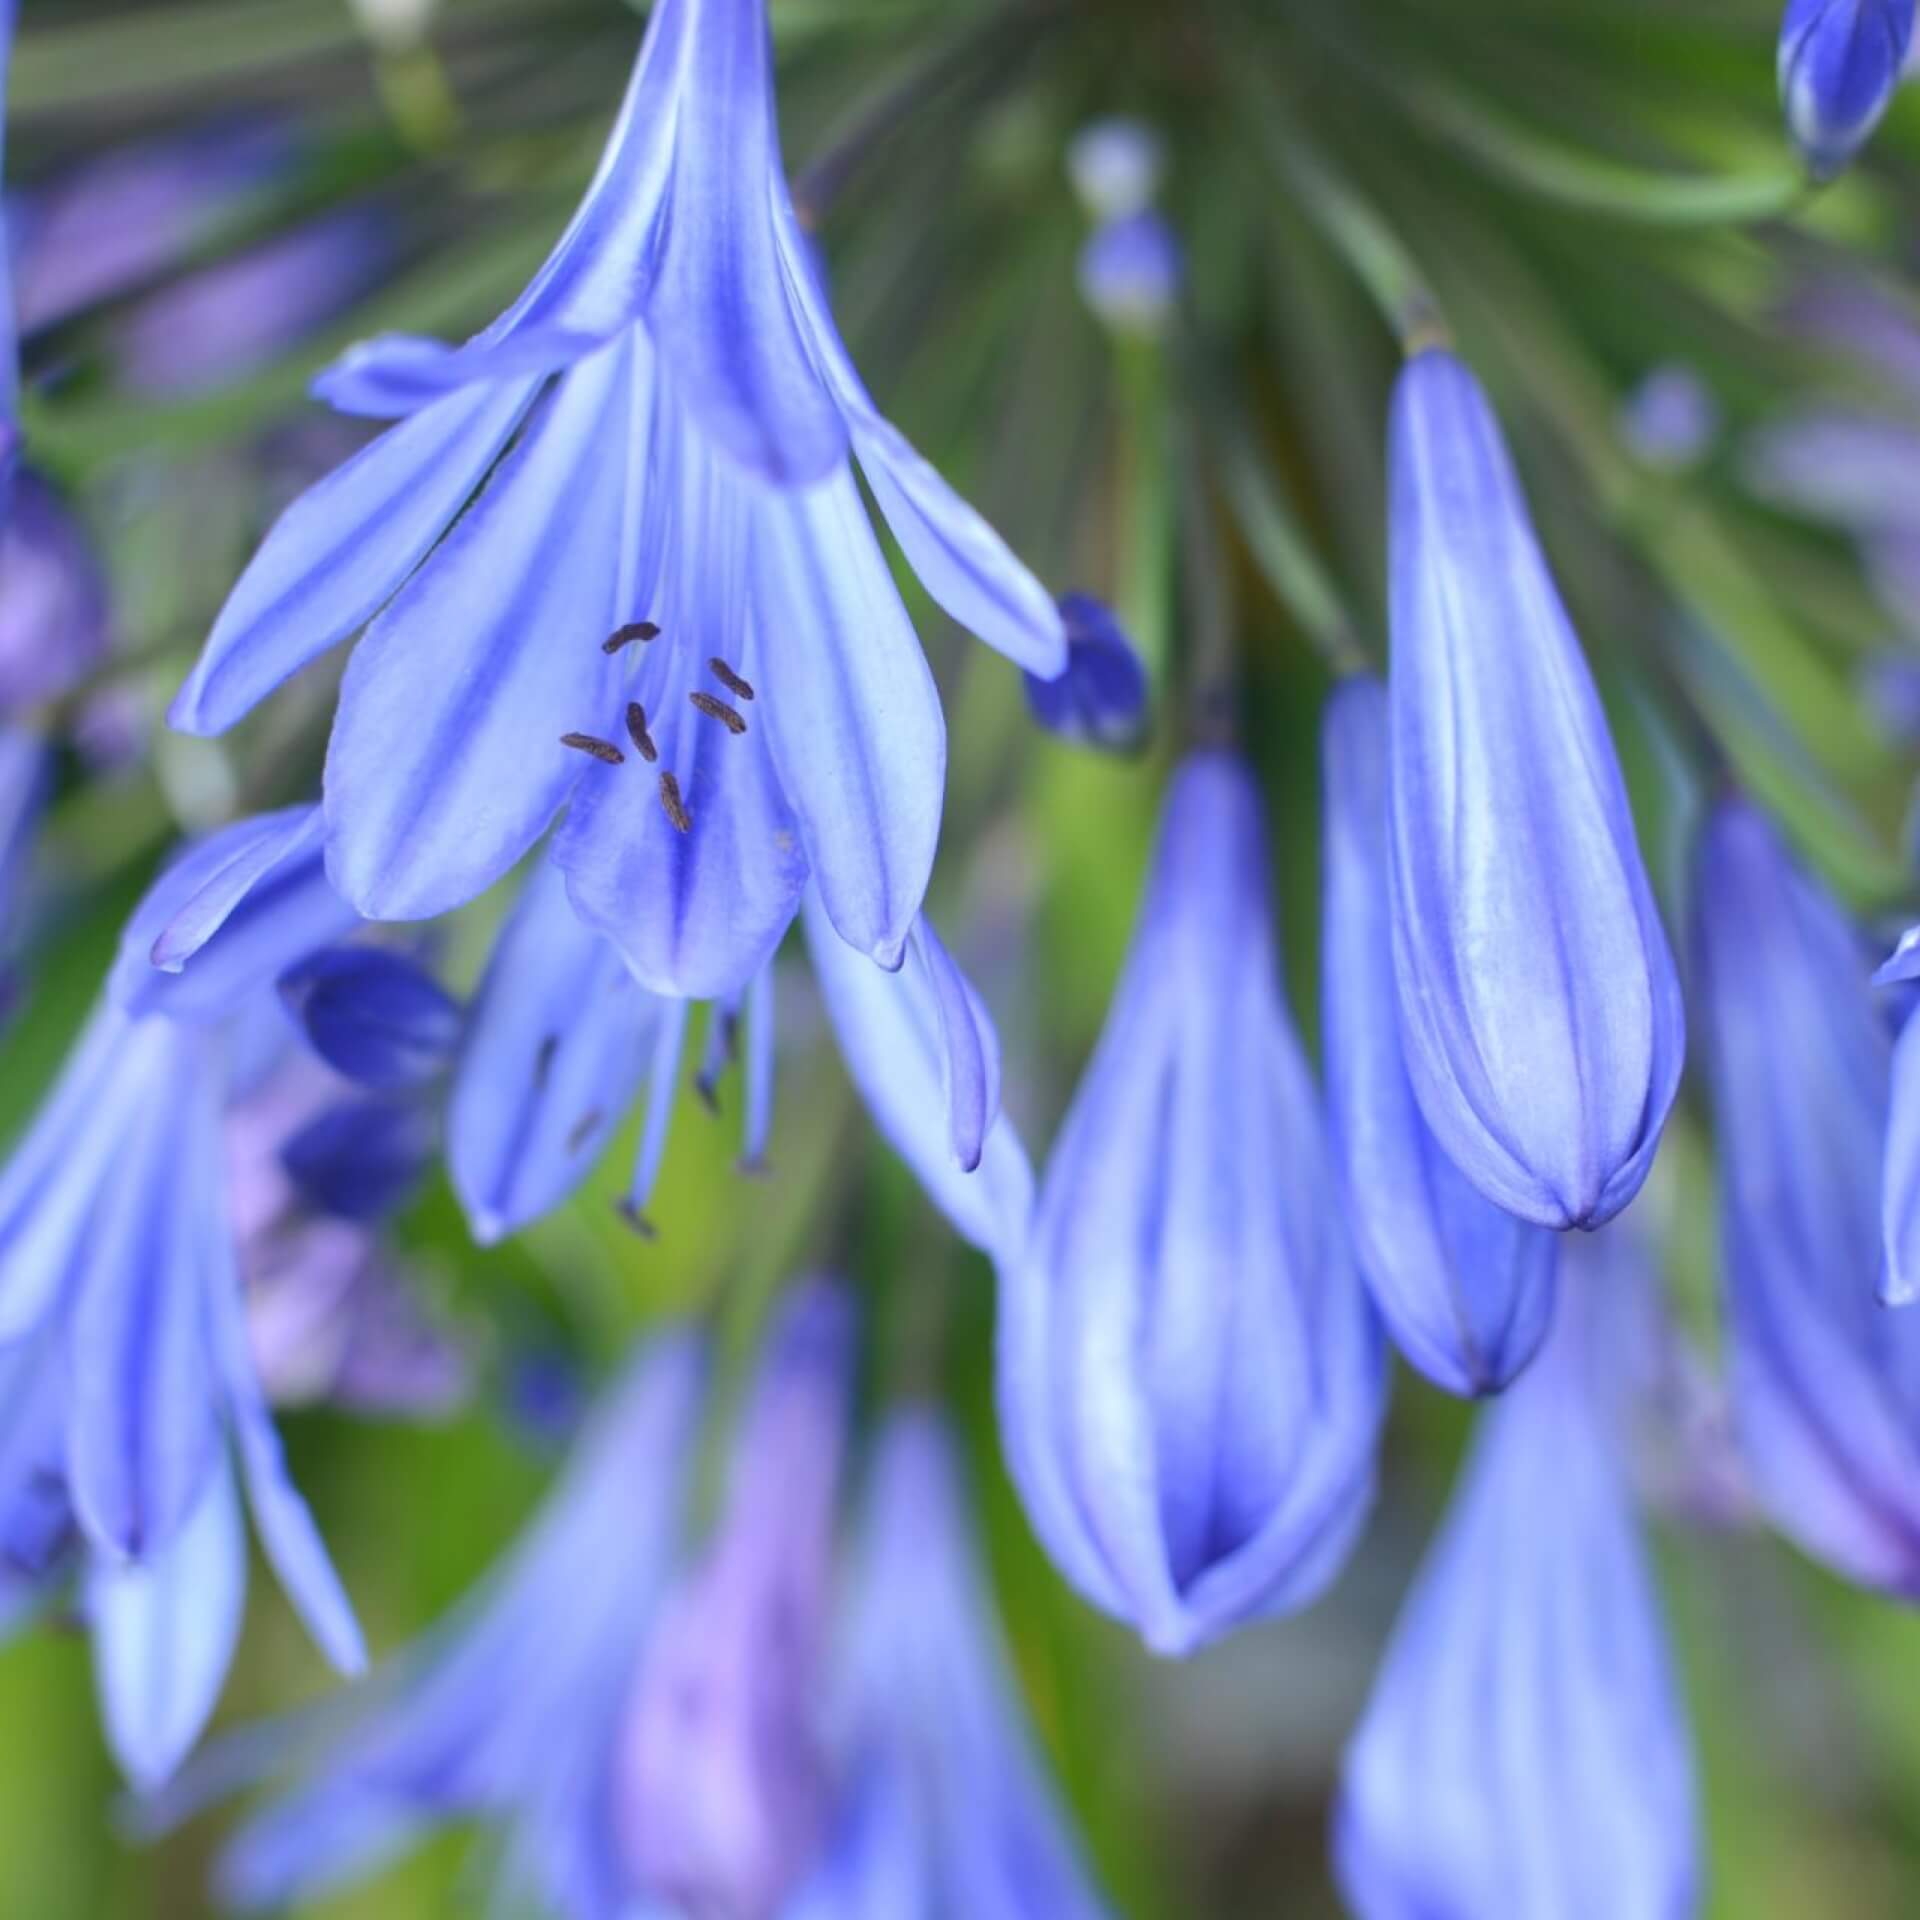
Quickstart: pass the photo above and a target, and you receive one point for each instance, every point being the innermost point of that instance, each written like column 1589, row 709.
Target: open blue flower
column 120, row 1290
column 1840, row 62
column 1540, row 1009
column 666, row 604
column 1524, row 1751
column 1825, row 1379
column 562, row 1040
column 1466, row 1288
column 945, row 1805
column 1190, row 1371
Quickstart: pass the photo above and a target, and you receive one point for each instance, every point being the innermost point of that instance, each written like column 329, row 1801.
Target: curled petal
column 1540, row 1008
column 1466, row 1288
column 1190, row 1374
column 921, row 1049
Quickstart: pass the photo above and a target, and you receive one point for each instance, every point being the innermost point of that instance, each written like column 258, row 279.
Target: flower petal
column 164, row 1631
column 337, row 555
column 556, row 1047
column 446, row 762
column 852, row 711
column 918, row 1045
column 397, row 374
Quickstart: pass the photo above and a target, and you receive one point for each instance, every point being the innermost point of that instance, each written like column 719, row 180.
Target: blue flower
column 1101, row 698
column 1840, row 61
column 666, row 608
column 1825, row 1380
column 119, row 1281
column 945, row 1805
column 1116, row 166
column 1540, row 1010
column 1130, row 272
column 1466, row 1289
column 1190, row 1373
column 512, row 1711
column 721, row 1778
column 562, row 1040
column 1524, row 1752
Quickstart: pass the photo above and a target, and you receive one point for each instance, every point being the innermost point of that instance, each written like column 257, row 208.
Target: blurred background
column 208, row 199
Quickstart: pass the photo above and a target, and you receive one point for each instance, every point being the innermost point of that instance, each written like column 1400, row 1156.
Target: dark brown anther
column 624, row 636
column 718, row 710
column 583, row 1129
column 543, row 1060
column 729, row 679
column 602, row 750
column 634, row 1218
column 637, row 732
column 676, row 808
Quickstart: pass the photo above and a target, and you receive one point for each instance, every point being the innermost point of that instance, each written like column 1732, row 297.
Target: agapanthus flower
column 1116, row 166
column 945, row 1806
column 1540, row 1009
column 120, row 1292
column 1525, row 1751
column 1840, row 62
column 1101, row 698
column 562, row 1040
column 511, row 1711
column 1190, row 1372
column 1825, row 1379
column 721, row 1775
column 666, row 608
column 1466, row 1289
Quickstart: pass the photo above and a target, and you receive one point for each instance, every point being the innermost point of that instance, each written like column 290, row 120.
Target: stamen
column 637, row 731
column 634, row 1218
column 583, row 1129
column 674, row 805
column 622, row 636
column 719, row 710
column 602, row 750
column 729, row 679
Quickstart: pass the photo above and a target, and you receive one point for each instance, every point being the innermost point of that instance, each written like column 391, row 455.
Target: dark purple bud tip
column 1100, row 701
column 360, row 1161
column 375, row 1016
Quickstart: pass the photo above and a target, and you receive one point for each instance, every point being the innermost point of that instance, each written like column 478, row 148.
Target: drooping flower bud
column 1540, row 1008
column 1825, row 1380
column 1466, row 1288
column 1101, row 699
column 1190, row 1373
column 1524, row 1752
column 1840, row 61
column 1130, row 272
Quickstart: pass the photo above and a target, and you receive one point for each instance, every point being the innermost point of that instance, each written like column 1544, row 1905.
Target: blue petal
column 144, row 1394
column 697, row 913
column 1903, row 963
column 1900, row 1207
column 556, row 1048
column 374, row 1015
column 397, row 374
column 230, row 915
column 288, row 1535
column 1840, row 62
column 446, row 762
column 1466, row 1289
column 663, row 1095
column 852, row 710
column 337, row 555
column 1190, row 1373
column 1524, row 1751
column 1541, row 1011
column 919, row 1046
column 164, row 1631
column 1825, row 1380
